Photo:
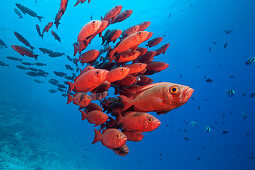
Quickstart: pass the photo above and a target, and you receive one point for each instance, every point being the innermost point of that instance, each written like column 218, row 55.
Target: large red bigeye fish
column 95, row 117
column 89, row 80
column 80, row 99
column 111, row 138
column 138, row 122
column 162, row 97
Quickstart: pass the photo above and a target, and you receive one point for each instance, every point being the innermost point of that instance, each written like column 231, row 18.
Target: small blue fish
column 231, row 92
column 250, row 61
column 208, row 129
column 193, row 123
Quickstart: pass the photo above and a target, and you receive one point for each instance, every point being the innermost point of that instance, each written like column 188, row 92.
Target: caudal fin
column 111, row 55
column 36, row 56
column 98, row 136
column 40, row 18
column 83, row 115
column 69, row 99
column 76, row 49
column 71, row 86
column 127, row 102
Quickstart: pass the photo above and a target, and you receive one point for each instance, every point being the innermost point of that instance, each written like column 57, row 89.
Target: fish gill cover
column 117, row 78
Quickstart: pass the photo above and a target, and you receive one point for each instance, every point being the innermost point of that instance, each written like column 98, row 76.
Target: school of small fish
column 125, row 66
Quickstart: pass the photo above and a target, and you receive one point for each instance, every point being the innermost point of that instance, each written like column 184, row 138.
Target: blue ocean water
column 38, row 130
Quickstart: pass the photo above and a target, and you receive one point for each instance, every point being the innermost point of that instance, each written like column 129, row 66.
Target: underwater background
column 38, row 130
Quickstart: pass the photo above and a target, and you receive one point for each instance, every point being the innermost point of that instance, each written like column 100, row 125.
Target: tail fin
column 98, row 136
column 102, row 18
column 36, row 56
column 112, row 122
column 127, row 102
column 83, row 115
column 111, row 54
column 40, row 18
column 77, row 3
column 69, row 99
column 71, row 86
column 76, row 49
column 119, row 118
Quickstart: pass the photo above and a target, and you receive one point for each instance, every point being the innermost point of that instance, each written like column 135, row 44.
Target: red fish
column 144, row 25
column 80, row 99
column 142, row 50
column 55, row 35
column 111, row 15
column 136, row 68
column 111, row 138
column 130, row 42
column 89, row 80
column 130, row 31
column 89, row 56
column 118, row 73
column 85, row 70
column 47, row 27
column 127, row 56
column 122, row 151
column 126, row 81
column 156, row 66
column 162, row 49
column 133, row 136
column 163, row 97
column 144, row 80
column 147, row 57
column 92, row 107
column 122, row 16
column 101, row 91
column 154, row 42
column 38, row 30
column 112, row 36
column 61, row 12
column 24, row 51
column 95, row 117
column 80, row 1
column 138, row 122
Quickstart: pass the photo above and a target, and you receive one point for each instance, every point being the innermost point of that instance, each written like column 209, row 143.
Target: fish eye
column 149, row 119
column 122, row 69
column 117, row 135
column 97, row 72
column 139, row 33
column 93, row 22
column 174, row 90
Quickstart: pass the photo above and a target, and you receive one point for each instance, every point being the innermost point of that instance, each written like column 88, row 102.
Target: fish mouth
column 157, row 123
column 188, row 93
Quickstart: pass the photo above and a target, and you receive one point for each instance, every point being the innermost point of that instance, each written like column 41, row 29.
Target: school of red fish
column 126, row 67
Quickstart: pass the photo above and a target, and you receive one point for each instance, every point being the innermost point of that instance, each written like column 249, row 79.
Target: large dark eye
column 122, row 69
column 174, row 90
column 117, row 135
column 93, row 22
column 97, row 72
column 139, row 33
column 149, row 119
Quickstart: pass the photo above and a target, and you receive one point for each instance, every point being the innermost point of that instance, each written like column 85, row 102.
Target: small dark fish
column 244, row 115
column 37, row 74
column 252, row 95
column 251, row 157
column 73, row 75
column 64, row 95
column 47, row 27
column 53, row 81
column 69, row 78
column 27, row 63
column 198, row 158
column 24, row 51
column 38, row 81
column 31, row 73
column 60, row 74
column 53, row 91
column 28, row 11
column 250, row 61
column 55, row 35
column 21, row 67
column 3, row 64
column 197, row 66
column 209, row 80
column 215, row 43
column 210, row 49
column 39, row 30
column 23, row 40
column 62, row 90
column 46, row 51
column 33, row 69
column 224, row 132
column 39, row 64
column 186, row 138
column 243, row 95
column 69, row 58
column 18, row 13
column 231, row 76
column 227, row 31
column 91, row 17
column 231, row 92
column 56, row 54
column 61, row 86
column 169, row 15
column 2, row 44
column 68, row 67
column 14, row 58
column 225, row 45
